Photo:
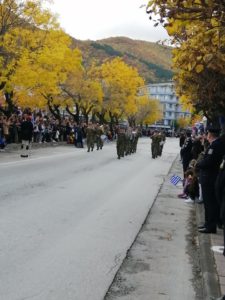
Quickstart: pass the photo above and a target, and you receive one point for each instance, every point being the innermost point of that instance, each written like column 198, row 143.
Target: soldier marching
column 127, row 139
column 94, row 135
column 91, row 136
column 158, row 140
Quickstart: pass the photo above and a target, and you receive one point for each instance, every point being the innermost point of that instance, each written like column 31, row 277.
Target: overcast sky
column 98, row 19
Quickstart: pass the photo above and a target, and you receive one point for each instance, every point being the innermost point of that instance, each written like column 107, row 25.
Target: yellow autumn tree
column 24, row 26
column 82, row 94
column 120, row 83
column 197, row 29
column 148, row 111
column 40, row 74
column 183, row 122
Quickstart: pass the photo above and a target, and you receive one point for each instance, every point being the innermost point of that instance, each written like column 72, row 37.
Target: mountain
column 152, row 60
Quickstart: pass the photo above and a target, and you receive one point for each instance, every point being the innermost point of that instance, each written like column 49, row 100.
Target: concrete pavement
column 171, row 262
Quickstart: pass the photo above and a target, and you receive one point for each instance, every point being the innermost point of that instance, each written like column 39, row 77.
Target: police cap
column 214, row 130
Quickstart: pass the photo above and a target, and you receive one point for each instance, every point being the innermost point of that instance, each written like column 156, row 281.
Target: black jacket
column 209, row 165
column 186, row 149
column 26, row 130
column 220, row 189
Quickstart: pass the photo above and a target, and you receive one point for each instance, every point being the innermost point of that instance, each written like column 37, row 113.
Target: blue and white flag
column 175, row 179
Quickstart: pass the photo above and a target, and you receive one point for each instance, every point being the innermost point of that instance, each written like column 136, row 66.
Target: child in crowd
column 191, row 186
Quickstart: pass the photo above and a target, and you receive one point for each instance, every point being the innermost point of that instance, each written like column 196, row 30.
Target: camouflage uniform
column 135, row 141
column 90, row 134
column 155, row 144
column 99, row 133
column 128, row 144
column 162, row 139
column 121, row 142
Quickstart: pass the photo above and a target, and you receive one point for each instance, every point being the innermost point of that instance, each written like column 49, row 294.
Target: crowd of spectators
column 46, row 128
column 203, row 160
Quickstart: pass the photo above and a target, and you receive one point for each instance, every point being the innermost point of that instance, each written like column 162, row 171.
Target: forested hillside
column 152, row 60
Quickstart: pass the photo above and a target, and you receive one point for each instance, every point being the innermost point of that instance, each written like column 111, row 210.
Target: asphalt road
column 67, row 218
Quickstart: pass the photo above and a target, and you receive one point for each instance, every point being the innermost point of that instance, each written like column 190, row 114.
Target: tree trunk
column 54, row 109
column 101, row 117
column 111, row 119
column 93, row 117
column 10, row 107
column 86, row 117
column 75, row 116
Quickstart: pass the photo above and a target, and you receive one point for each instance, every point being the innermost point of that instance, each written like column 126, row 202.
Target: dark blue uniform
column 209, row 169
column 220, row 193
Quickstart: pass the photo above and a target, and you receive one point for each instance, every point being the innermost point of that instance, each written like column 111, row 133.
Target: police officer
column 220, row 193
column 209, row 169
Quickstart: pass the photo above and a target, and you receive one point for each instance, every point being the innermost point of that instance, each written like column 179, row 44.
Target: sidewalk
column 169, row 259
column 212, row 245
column 217, row 240
column 212, row 259
column 212, row 262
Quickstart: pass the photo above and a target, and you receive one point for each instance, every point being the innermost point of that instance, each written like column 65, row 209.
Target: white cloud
column 97, row 19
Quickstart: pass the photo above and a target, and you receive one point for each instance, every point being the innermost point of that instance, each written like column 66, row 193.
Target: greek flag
column 175, row 179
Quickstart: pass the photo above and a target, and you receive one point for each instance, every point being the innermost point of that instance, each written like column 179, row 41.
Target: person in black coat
column 181, row 143
column 185, row 152
column 197, row 148
column 78, row 136
column 209, row 169
column 220, row 193
column 182, row 139
column 26, row 135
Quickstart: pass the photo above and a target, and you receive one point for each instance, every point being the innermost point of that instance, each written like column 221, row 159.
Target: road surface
column 67, row 217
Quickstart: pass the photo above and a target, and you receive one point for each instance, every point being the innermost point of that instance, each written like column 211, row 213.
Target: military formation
column 127, row 139
column 158, row 140
column 94, row 134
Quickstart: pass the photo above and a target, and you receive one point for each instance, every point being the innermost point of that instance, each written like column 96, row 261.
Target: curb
column 16, row 147
column 211, row 286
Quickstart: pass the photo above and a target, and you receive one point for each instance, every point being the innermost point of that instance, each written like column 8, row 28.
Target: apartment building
column 165, row 93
